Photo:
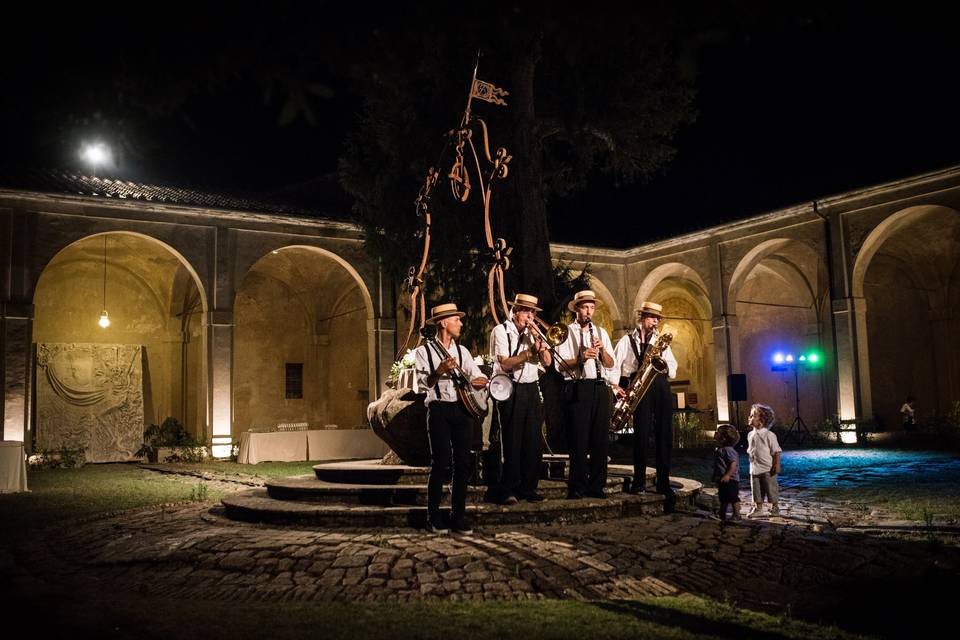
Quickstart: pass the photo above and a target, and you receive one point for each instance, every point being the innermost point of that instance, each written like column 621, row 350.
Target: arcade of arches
column 230, row 321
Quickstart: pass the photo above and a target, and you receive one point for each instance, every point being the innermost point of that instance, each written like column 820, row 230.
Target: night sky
column 791, row 107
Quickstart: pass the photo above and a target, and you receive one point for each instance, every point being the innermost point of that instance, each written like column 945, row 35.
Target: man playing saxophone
column 656, row 408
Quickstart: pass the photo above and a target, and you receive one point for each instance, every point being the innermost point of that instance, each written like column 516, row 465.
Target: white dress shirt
column 506, row 342
column 761, row 445
column 570, row 349
column 626, row 360
column 448, row 391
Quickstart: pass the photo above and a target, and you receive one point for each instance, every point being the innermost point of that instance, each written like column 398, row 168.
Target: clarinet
column 598, row 363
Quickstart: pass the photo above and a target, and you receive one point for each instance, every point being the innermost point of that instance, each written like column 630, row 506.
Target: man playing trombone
column 449, row 424
column 587, row 358
column 518, row 350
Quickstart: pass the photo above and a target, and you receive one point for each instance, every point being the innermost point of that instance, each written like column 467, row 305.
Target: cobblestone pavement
column 192, row 551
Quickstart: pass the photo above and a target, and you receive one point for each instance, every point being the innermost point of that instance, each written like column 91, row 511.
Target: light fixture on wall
column 104, row 321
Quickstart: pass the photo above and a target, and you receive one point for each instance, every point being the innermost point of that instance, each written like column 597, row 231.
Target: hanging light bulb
column 104, row 320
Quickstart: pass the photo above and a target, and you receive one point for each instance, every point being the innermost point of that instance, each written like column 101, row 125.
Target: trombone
column 555, row 336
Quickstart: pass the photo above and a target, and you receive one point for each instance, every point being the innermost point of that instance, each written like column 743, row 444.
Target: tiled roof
column 65, row 182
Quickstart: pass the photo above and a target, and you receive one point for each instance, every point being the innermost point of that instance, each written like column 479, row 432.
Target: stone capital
column 223, row 318
column 17, row 311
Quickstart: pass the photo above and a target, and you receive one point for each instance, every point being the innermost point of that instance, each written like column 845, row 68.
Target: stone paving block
column 351, row 561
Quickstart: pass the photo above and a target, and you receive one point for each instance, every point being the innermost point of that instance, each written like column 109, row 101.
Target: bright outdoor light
column 789, row 357
column 95, row 154
column 104, row 320
column 778, row 358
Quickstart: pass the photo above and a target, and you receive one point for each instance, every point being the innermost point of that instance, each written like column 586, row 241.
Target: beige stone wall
column 297, row 306
column 139, row 299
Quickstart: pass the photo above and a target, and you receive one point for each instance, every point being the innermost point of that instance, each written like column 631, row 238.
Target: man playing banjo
column 518, row 352
column 449, row 424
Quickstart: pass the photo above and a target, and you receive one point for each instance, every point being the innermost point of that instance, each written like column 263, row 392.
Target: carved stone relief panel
column 90, row 396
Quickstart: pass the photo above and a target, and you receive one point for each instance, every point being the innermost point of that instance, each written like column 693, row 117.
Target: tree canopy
column 587, row 94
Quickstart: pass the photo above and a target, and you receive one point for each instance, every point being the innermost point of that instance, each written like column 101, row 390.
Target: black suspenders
column 433, row 369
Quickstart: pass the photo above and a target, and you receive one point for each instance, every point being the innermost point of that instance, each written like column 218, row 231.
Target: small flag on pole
column 488, row 92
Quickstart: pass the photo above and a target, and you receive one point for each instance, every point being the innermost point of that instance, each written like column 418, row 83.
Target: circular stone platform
column 366, row 493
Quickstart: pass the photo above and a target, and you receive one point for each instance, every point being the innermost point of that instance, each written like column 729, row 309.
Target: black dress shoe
column 669, row 502
column 509, row 500
column 574, row 495
column 461, row 525
column 637, row 490
column 532, row 497
column 435, row 525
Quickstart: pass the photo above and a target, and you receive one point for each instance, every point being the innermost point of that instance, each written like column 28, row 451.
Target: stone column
column 219, row 338
column 853, row 358
column 16, row 336
column 945, row 326
column 382, row 335
column 726, row 359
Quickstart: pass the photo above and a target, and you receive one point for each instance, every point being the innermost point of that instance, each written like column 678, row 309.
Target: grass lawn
column 62, row 494
column 263, row 469
column 127, row 616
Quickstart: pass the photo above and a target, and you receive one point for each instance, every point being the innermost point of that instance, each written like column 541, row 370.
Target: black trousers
column 588, row 426
column 450, row 432
column 655, row 412
column 520, row 420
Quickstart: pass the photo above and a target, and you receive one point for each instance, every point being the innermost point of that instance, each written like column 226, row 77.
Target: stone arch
column 751, row 259
column 612, row 310
column 38, row 272
column 918, row 248
column 777, row 292
column 662, row 272
column 307, row 305
column 687, row 311
column 890, row 226
column 143, row 278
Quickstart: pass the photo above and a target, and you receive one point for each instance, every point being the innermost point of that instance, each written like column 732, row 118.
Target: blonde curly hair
column 766, row 414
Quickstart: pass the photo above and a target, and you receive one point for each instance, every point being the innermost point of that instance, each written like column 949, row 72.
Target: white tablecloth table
column 276, row 446
column 13, row 467
column 318, row 444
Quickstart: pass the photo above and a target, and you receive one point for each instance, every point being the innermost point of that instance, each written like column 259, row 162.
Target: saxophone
column 653, row 364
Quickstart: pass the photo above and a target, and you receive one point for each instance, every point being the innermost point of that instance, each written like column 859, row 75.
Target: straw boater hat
column 442, row 311
column 525, row 301
column 582, row 296
column 650, row 309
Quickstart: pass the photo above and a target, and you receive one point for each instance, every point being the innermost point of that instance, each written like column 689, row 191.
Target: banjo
column 474, row 400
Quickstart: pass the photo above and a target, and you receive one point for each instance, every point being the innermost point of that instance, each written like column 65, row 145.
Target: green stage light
column 813, row 359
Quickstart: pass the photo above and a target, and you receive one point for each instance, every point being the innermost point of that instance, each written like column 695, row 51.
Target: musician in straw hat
column 449, row 425
column 588, row 361
column 656, row 408
column 518, row 351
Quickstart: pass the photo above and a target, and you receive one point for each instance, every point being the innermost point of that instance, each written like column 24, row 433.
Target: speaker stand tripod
column 798, row 422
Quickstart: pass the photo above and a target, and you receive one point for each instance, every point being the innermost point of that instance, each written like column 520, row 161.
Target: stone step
column 309, row 489
column 371, row 472
column 257, row 506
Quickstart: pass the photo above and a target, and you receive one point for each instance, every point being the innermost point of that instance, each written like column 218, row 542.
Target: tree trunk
column 533, row 243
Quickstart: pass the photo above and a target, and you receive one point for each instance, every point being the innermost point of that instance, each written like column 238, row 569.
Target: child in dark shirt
column 726, row 470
